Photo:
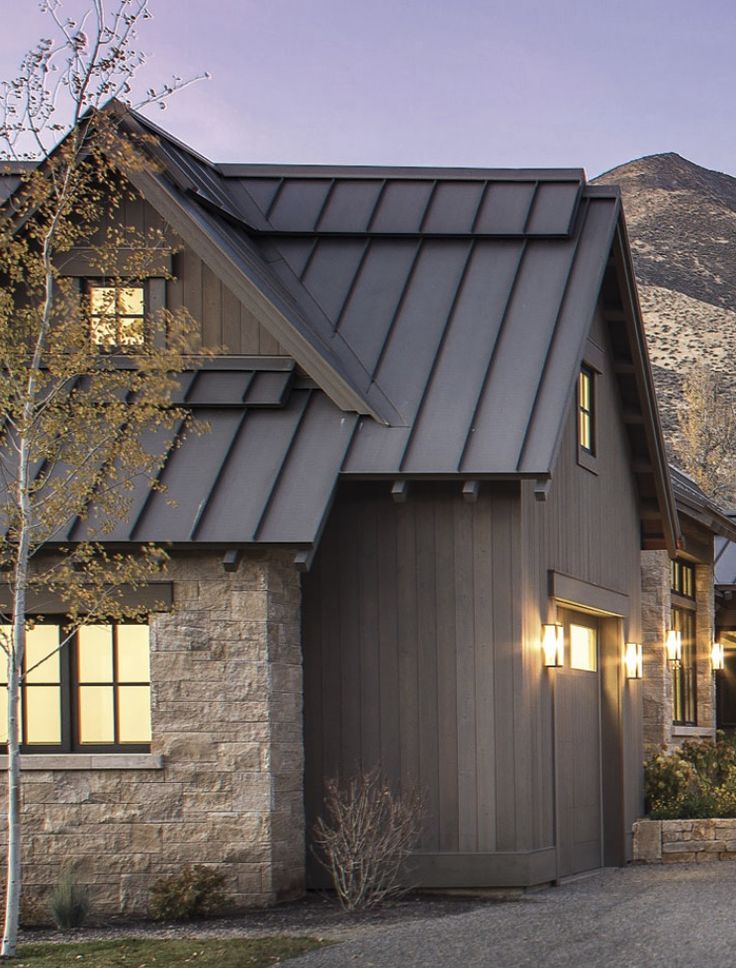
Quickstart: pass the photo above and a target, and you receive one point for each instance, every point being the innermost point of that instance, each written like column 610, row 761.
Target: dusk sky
column 424, row 82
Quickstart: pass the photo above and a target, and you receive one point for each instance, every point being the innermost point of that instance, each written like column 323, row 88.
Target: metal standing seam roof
column 453, row 304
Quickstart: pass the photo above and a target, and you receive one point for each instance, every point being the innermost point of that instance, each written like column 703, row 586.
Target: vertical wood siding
column 589, row 529
column 410, row 631
column 225, row 324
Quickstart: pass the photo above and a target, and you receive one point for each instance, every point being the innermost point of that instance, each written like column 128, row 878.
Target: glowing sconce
column 553, row 645
column 633, row 660
column 674, row 646
column 717, row 657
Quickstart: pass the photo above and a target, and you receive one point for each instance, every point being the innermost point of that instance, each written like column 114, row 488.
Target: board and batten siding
column 224, row 323
column 411, row 659
column 588, row 529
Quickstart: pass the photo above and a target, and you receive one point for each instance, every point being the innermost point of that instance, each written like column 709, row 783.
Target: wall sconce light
column 553, row 645
column 674, row 645
column 633, row 660
column 717, row 657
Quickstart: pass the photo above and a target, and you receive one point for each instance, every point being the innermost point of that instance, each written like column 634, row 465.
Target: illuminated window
column 93, row 695
column 117, row 315
column 586, row 414
column 583, row 648
column 683, row 578
column 685, row 672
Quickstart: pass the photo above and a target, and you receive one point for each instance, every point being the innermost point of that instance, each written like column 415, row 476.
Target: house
column 433, row 431
column 679, row 698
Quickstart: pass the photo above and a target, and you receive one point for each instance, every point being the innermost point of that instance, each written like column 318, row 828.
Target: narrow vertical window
column 684, row 673
column 586, row 414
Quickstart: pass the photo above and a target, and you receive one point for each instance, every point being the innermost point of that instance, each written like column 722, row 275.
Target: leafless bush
column 366, row 838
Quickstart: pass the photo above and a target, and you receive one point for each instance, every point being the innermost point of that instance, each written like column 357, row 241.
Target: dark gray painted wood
column 578, row 758
column 414, row 596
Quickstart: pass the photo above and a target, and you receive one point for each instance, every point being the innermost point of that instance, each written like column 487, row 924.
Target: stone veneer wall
column 684, row 841
column 223, row 783
column 657, row 675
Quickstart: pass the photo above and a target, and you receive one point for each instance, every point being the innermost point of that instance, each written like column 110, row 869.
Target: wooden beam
column 471, row 489
column 303, row 559
column 541, row 488
column 231, row 559
column 400, row 491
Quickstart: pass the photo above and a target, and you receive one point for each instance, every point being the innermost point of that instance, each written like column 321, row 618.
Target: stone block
column 679, row 848
column 688, row 858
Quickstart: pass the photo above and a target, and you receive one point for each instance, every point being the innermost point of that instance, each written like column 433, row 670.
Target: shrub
column 366, row 838
column 69, row 902
column 196, row 892
column 695, row 781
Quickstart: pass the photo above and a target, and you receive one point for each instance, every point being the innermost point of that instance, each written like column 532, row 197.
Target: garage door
column 578, row 747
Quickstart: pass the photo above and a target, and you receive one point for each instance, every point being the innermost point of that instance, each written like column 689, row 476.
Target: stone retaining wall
column 223, row 783
column 684, row 841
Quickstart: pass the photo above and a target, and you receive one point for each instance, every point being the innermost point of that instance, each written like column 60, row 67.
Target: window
column 117, row 315
column 586, row 411
column 94, row 695
column 684, row 673
column 683, row 578
column 583, row 648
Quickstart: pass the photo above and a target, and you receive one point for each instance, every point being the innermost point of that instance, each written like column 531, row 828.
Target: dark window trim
column 685, row 673
column 679, row 568
column 69, row 687
column 101, row 282
column 587, row 456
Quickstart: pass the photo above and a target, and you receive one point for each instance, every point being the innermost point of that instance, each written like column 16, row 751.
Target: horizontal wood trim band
column 512, row 869
column 574, row 591
column 156, row 597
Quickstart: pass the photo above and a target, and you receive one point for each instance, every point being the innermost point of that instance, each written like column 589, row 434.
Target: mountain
column 681, row 220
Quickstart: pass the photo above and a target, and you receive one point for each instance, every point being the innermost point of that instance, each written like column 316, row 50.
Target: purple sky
column 444, row 82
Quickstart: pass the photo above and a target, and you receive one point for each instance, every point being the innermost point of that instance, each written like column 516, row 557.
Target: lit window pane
column 43, row 714
column 134, row 714
column 102, row 300
column 130, row 301
column 131, row 331
column 103, row 330
column 6, row 637
column 41, row 642
column 133, row 654
column 94, row 653
column 96, row 714
column 583, row 651
column 4, row 715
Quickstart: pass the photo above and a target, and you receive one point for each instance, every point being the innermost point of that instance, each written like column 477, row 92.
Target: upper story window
column 117, row 315
column 586, row 411
column 92, row 695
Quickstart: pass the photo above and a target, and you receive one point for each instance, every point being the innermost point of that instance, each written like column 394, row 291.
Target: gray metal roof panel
column 506, row 397
column 304, row 488
column 441, row 427
column 571, row 329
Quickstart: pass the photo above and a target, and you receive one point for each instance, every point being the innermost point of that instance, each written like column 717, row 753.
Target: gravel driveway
column 682, row 916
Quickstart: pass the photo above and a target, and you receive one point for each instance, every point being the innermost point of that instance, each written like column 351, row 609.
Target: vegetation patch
column 696, row 781
column 157, row 953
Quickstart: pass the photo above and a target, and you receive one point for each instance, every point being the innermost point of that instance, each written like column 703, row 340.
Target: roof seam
column 438, row 353
column 494, row 351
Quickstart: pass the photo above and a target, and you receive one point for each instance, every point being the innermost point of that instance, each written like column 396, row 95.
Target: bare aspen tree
column 78, row 427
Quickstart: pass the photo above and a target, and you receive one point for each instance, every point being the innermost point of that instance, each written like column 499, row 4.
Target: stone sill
column 88, row 761
column 693, row 731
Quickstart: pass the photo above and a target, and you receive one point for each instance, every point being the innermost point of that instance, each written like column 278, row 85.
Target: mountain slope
column 682, row 225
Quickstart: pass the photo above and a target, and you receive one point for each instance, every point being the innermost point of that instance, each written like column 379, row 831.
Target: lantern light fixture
column 717, row 657
column 633, row 660
column 674, row 646
column 553, row 645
